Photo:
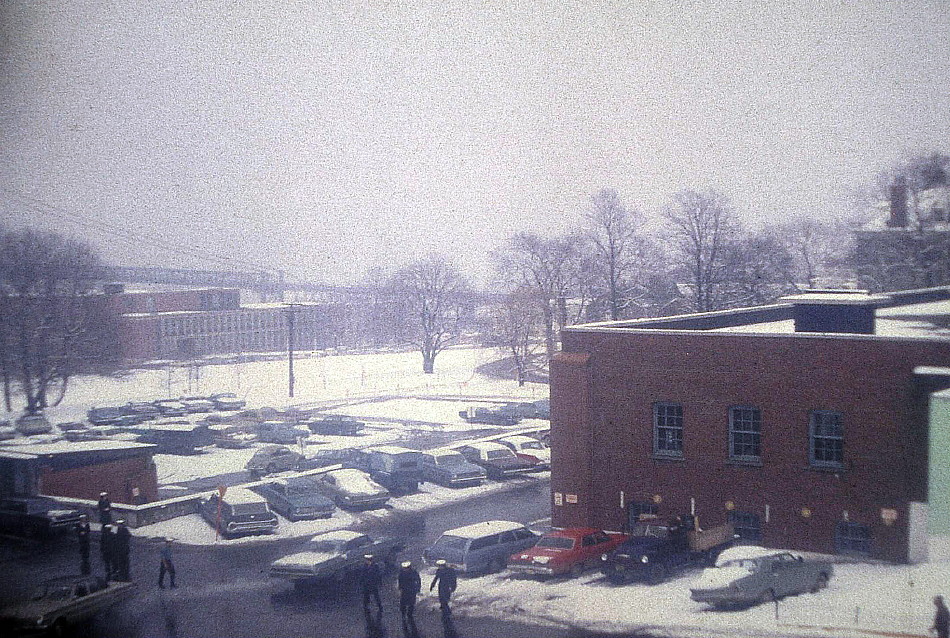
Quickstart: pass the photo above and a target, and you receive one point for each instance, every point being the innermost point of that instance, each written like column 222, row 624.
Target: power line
column 104, row 228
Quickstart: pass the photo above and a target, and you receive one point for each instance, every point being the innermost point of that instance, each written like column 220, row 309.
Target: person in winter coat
column 370, row 578
column 107, row 548
column 410, row 584
column 82, row 535
column 123, row 545
column 167, row 565
column 447, row 579
column 105, row 509
column 941, row 625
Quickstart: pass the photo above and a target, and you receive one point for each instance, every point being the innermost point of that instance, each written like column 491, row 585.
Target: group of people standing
column 409, row 584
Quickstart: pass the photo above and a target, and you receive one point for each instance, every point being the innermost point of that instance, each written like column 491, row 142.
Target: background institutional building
column 815, row 424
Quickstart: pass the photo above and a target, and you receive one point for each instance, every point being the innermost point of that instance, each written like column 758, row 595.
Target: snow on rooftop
column 486, row 445
column 389, row 449
column 236, row 495
column 337, row 535
column 484, row 528
column 72, row 447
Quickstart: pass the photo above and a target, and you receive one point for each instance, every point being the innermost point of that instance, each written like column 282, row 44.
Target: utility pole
column 291, row 310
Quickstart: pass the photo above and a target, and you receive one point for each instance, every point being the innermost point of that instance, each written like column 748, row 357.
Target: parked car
column 170, row 407
column 234, row 440
column 529, row 449
column 482, row 547
column 747, row 575
column 225, row 401
column 297, row 498
column 112, row 415
column 347, row 457
column 280, row 432
column 70, row 426
column 30, row 424
column 334, row 425
column 59, row 603
column 36, row 517
column 273, row 458
column 489, row 416
column 396, row 468
column 335, row 555
column 197, row 404
column 7, row 431
column 499, row 462
column 242, row 512
column 450, row 468
column 144, row 411
column 565, row 552
column 353, row 489
column 173, row 436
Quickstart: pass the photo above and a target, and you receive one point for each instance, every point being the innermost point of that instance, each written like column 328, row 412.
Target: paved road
column 224, row 592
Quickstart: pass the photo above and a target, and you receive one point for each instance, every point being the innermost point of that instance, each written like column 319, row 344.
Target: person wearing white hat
column 105, row 508
column 410, row 584
column 447, row 579
column 371, row 577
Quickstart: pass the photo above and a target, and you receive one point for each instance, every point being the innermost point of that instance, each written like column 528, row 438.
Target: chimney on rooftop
column 835, row 310
column 898, row 217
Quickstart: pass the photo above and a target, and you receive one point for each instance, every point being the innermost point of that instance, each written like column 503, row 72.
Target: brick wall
column 116, row 477
column 608, row 420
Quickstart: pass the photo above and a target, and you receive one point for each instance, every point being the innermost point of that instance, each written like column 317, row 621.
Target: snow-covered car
column 565, row 552
column 529, row 449
column 241, row 512
column 449, row 467
column 142, row 411
column 110, row 415
column 499, row 461
column 747, row 575
column 297, row 498
column 197, row 404
column 336, row 425
column 480, row 547
column 281, row 432
column 36, row 517
column 62, row 602
column 30, row 424
column 170, row 407
column 489, row 416
column 274, row 458
column 226, row 401
column 353, row 489
column 335, row 555
column 234, row 440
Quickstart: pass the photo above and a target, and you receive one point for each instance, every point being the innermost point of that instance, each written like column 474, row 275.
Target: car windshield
column 556, row 542
column 328, row 546
column 451, row 542
column 491, row 455
column 749, row 564
column 450, row 459
column 249, row 508
column 645, row 529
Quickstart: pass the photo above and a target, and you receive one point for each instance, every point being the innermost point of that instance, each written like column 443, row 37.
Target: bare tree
column 432, row 289
column 551, row 269
column 50, row 327
column 817, row 248
column 613, row 230
column 702, row 225
column 516, row 327
column 758, row 270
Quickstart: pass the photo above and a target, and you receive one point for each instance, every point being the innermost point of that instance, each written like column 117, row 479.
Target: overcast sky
column 326, row 138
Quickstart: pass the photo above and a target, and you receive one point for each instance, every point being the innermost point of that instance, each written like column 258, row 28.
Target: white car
column 334, row 555
column 352, row 489
column 529, row 449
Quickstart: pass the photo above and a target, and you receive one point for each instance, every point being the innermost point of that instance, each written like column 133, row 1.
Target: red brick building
column 812, row 440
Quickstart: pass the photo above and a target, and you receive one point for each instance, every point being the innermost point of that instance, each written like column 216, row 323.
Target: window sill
column 669, row 457
column 826, row 469
column 745, row 462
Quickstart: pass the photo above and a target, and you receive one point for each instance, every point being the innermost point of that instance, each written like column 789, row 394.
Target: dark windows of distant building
column 852, row 538
column 826, row 447
column 748, row 526
column 745, row 431
column 668, row 429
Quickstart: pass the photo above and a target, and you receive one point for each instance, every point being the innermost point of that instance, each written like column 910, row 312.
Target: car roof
column 337, row 535
column 441, row 451
column 572, row 532
column 744, row 552
column 484, row 528
column 348, row 471
column 236, row 495
column 519, row 439
column 389, row 449
column 487, row 445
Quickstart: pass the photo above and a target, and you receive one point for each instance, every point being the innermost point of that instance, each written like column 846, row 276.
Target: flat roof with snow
column 477, row 530
column 74, row 447
column 486, row 445
column 237, row 495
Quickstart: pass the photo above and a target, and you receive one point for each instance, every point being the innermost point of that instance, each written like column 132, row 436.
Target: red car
column 565, row 552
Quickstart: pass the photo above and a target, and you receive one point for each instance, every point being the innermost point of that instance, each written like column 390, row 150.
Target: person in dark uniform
column 123, row 545
column 371, row 577
column 167, row 565
column 941, row 625
column 107, row 548
column 105, row 508
column 410, row 584
column 447, row 579
column 82, row 535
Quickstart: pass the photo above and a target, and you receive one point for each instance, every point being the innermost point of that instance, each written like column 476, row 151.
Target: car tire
column 820, row 583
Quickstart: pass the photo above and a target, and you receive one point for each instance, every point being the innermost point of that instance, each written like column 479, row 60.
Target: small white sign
column 558, row 499
column 571, row 498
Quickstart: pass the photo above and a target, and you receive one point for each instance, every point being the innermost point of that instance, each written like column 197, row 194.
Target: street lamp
column 291, row 310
